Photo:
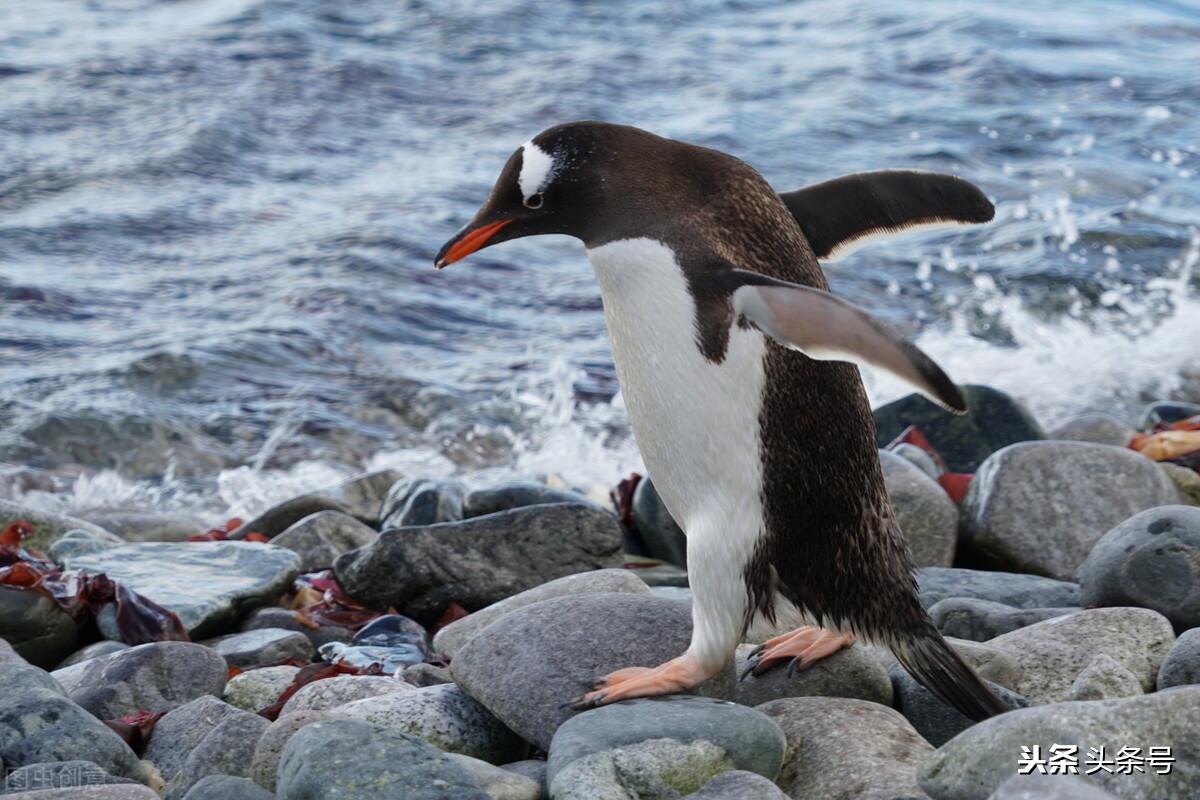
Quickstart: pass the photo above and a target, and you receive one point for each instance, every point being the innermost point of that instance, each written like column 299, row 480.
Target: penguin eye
column 534, row 200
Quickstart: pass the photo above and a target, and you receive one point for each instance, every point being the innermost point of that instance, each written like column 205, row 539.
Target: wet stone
column 660, row 534
column 516, row 494
column 423, row 502
column 264, row 647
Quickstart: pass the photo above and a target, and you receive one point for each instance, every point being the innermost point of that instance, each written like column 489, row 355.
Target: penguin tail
column 935, row 665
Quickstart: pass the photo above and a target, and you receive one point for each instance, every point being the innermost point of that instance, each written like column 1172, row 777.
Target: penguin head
column 576, row 179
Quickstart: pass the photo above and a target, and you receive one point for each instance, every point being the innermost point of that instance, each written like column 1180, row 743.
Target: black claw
column 750, row 665
column 794, row 665
column 757, row 649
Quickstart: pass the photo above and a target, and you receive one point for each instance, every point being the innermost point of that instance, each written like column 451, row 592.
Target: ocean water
column 217, row 220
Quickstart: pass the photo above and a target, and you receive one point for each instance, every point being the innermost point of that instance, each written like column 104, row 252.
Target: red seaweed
column 136, row 728
column 310, row 674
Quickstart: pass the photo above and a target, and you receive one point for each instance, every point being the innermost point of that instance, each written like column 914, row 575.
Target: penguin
column 739, row 371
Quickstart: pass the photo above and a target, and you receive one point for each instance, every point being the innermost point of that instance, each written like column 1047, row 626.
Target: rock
column 738, row 785
column 1095, row 427
column 451, row 638
column 158, row 676
column 1104, row 678
column 58, row 775
column 257, row 689
column 974, row 763
column 426, row 675
column 841, row 748
column 105, row 647
column 516, row 494
column 1040, row 506
column 39, row 724
column 657, row 768
column 995, row 420
column 36, row 626
column 661, row 536
column 1150, row 560
column 927, row 516
column 361, row 498
column 110, row 792
column 444, row 716
column 990, row 663
column 478, row 561
column 980, row 620
column 1166, row 412
column 1034, row 786
column 1053, row 653
column 48, row 527
column 349, row 760
column 391, row 642
column 655, row 574
column 918, row 458
column 533, row 769
column 227, row 787
column 936, row 720
column 416, row 502
column 210, row 585
column 603, row 741
column 526, row 664
column 263, row 647
column 275, row 617
column 320, row 538
column 132, row 525
column 499, row 784
column 1187, row 482
column 340, row 690
column 267, row 752
column 203, row 737
column 853, row 672
column 1011, row 589
column 1182, row 664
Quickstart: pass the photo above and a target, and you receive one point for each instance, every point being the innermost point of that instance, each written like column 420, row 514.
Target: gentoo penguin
column 738, row 371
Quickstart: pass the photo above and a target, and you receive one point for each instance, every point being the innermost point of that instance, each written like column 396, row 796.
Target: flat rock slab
column 1039, row 507
column 524, row 666
column 478, row 561
column 210, row 585
column 1010, row 588
column 976, row 762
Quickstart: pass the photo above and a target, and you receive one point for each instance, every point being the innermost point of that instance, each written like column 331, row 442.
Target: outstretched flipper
column 842, row 214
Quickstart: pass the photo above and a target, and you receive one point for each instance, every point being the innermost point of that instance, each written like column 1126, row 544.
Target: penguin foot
column 675, row 675
column 802, row 648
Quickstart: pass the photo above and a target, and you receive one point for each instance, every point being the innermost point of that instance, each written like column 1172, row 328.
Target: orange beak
column 458, row 249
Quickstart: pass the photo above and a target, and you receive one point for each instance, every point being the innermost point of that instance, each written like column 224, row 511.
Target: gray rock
column 48, row 527
column 1166, row 411
column 840, row 748
column 262, row 647
column 39, row 724
column 275, row 617
column 36, row 626
column 936, row 720
column 210, row 585
column 158, row 676
column 1095, row 427
column 1105, row 678
column 1187, row 482
column 1009, row 588
column 1182, row 664
column 499, row 784
column 109, row 792
column 738, row 785
column 361, row 498
column 853, row 672
column 526, row 664
column 203, row 737
column 58, row 775
column 257, row 689
column 660, row 533
column 533, row 769
column 516, row 494
column 349, row 760
column 444, row 716
column 1053, row 653
column 918, row 458
column 265, row 763
column 478, row 561
column 1034, row 786
column 746, row 738
column 105, row 647
column 656, row 768
column 340, row 690
column 133, row 525
column 320, row 538
column 451, row 638
column 1150, row 560
column 227, row 787
column 927, row 516
column 990, row 663
column 423, row 502
column 1040, row 506
column 977, row 761
column 980, row 620
column 426, row 675
column 656, row 574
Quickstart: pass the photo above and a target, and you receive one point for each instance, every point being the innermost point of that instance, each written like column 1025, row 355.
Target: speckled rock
column 853, row 672
column 533, row 769
column 660, row 534
column 264, row 763
column 1187, row 482
column 655, row 769
column 738, row 785
column 1150, row 560
column 1053, row 653
column 980, row 620
column 516, row 494
column 1035, row 786
column 422, row 502
column 1182, row 664
column 974, row 763
column 1105, row 678
column 1095, row 427
column 499, row 784
column 426, row 675
column 203, row 737
column 1040, row 506
column 263, row 647
column 449, row 639
column 936, row 720
column 48, row 527
column 844, row 749
column 320, row 538
column 257, row 689
column 1010, row 588
column 340, row 690
column 227, row 787
column 927, row 516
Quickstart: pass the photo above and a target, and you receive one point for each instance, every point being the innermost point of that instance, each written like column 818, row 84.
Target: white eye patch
column 537, row 168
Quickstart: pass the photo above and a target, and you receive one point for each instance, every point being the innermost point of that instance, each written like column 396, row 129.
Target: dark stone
column 263, row 647
column 36, row 626
column 993, row 421
column 660, row 534
column 423, row 502
column 1009, row 588
column 319, row 539
column 361, row 498
column 928, row 517
column 980, row 620
column 276, row 617
column 476, row 562
column 204, row 737
column 516, row 494
column 933, row 718
column 227, row 787
column 1166, row 412
column 1182, row 664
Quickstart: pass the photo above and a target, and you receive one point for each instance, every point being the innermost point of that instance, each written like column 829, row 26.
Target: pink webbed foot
column 675, row 675
column 802, row 648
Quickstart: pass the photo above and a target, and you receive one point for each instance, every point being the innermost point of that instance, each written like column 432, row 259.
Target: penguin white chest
column 696, row 420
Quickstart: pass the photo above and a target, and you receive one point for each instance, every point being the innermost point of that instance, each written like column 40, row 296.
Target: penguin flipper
column 827, row 328
column 840, row 215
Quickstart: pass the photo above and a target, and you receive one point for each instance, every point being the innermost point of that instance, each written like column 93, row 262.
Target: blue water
column 217, row 217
